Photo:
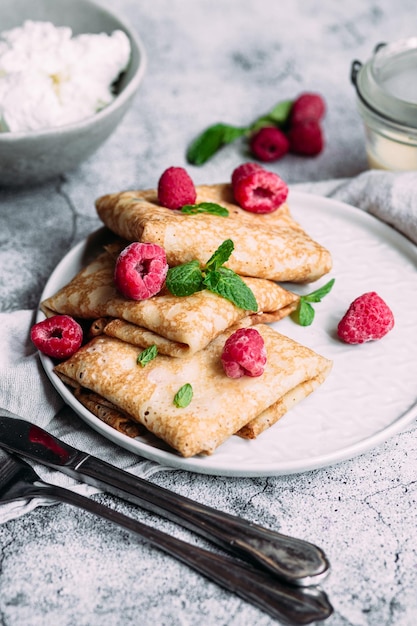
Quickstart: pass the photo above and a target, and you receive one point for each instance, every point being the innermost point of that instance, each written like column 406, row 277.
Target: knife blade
column 292, row 560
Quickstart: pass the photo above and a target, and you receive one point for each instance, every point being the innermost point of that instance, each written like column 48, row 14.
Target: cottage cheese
column 49, row 78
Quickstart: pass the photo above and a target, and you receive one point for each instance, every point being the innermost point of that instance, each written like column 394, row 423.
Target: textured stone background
column 213, row 61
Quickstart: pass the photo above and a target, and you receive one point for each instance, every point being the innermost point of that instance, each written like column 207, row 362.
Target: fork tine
column 16, row 477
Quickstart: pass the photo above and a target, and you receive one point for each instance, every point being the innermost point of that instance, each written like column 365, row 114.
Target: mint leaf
column 221, row 255
column 183, row 396
column 224, row 282
column 304, row 313
column 318, row 295
column 205, row 207
column 281, row 112
column 278, row 116
column 147, row 355
column 211, row 140
column 184, row 280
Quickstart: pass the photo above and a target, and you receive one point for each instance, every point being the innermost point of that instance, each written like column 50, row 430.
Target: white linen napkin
column 389, row 196
column 26, row 391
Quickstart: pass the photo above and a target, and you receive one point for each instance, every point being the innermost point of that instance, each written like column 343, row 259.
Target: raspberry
column 140, row 271
column 306, row 138
column 308, row 106
column 367, row 318
column 269, row 144
column 244, row 354
column 257, row 190
column 244, row 170
column 175, row 188
column 58, row 336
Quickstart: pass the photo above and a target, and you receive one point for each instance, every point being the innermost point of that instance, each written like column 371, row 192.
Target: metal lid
column 387, row 83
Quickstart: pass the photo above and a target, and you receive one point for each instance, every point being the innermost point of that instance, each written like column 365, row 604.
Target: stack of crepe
column 190, row 332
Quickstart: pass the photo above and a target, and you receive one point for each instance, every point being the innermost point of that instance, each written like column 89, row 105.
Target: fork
column 290, row 604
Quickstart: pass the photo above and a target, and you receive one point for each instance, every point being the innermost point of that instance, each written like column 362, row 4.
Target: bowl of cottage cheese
column 69, row 71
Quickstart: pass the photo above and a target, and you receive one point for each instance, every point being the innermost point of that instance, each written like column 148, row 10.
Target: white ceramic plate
column 371, row 393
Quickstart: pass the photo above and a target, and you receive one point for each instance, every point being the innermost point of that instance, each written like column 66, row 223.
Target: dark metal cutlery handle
column 290, row 605
column 293, row 560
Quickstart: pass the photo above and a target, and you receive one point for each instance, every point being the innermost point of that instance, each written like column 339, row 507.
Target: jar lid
column 387, row 83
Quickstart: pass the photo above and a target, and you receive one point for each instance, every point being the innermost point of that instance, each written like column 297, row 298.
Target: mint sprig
column 205, row 145
column 304, row 313
column 183, row 396
column 186, row 279
column 205, row 207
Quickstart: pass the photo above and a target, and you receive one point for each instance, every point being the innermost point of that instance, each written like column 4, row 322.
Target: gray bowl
column 28, row 158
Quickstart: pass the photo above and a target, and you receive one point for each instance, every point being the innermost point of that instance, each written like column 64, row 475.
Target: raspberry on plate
column 140, row 271
column 175, row 188
column 308, row 106
column 306, row 138
column 367, row 318
column 59, row 336
column 257, row 190
column 269, row 144
column 244, row 354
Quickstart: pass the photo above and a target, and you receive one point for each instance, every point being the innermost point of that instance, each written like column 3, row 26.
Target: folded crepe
column 220, row 406
column 108, row 413
column 271, row 246
column 123, row 423
column 177, row 325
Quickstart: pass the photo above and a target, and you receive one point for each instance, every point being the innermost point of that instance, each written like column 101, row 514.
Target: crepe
column 111, row 415
column 108, row 413
column 272, row 414
column 220, row 406
column 178, row 326
column 271, row 246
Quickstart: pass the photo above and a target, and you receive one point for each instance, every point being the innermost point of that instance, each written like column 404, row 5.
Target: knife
column 293, row 560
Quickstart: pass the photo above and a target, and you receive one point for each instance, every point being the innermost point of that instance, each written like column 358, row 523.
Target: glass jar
column 386, row 88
